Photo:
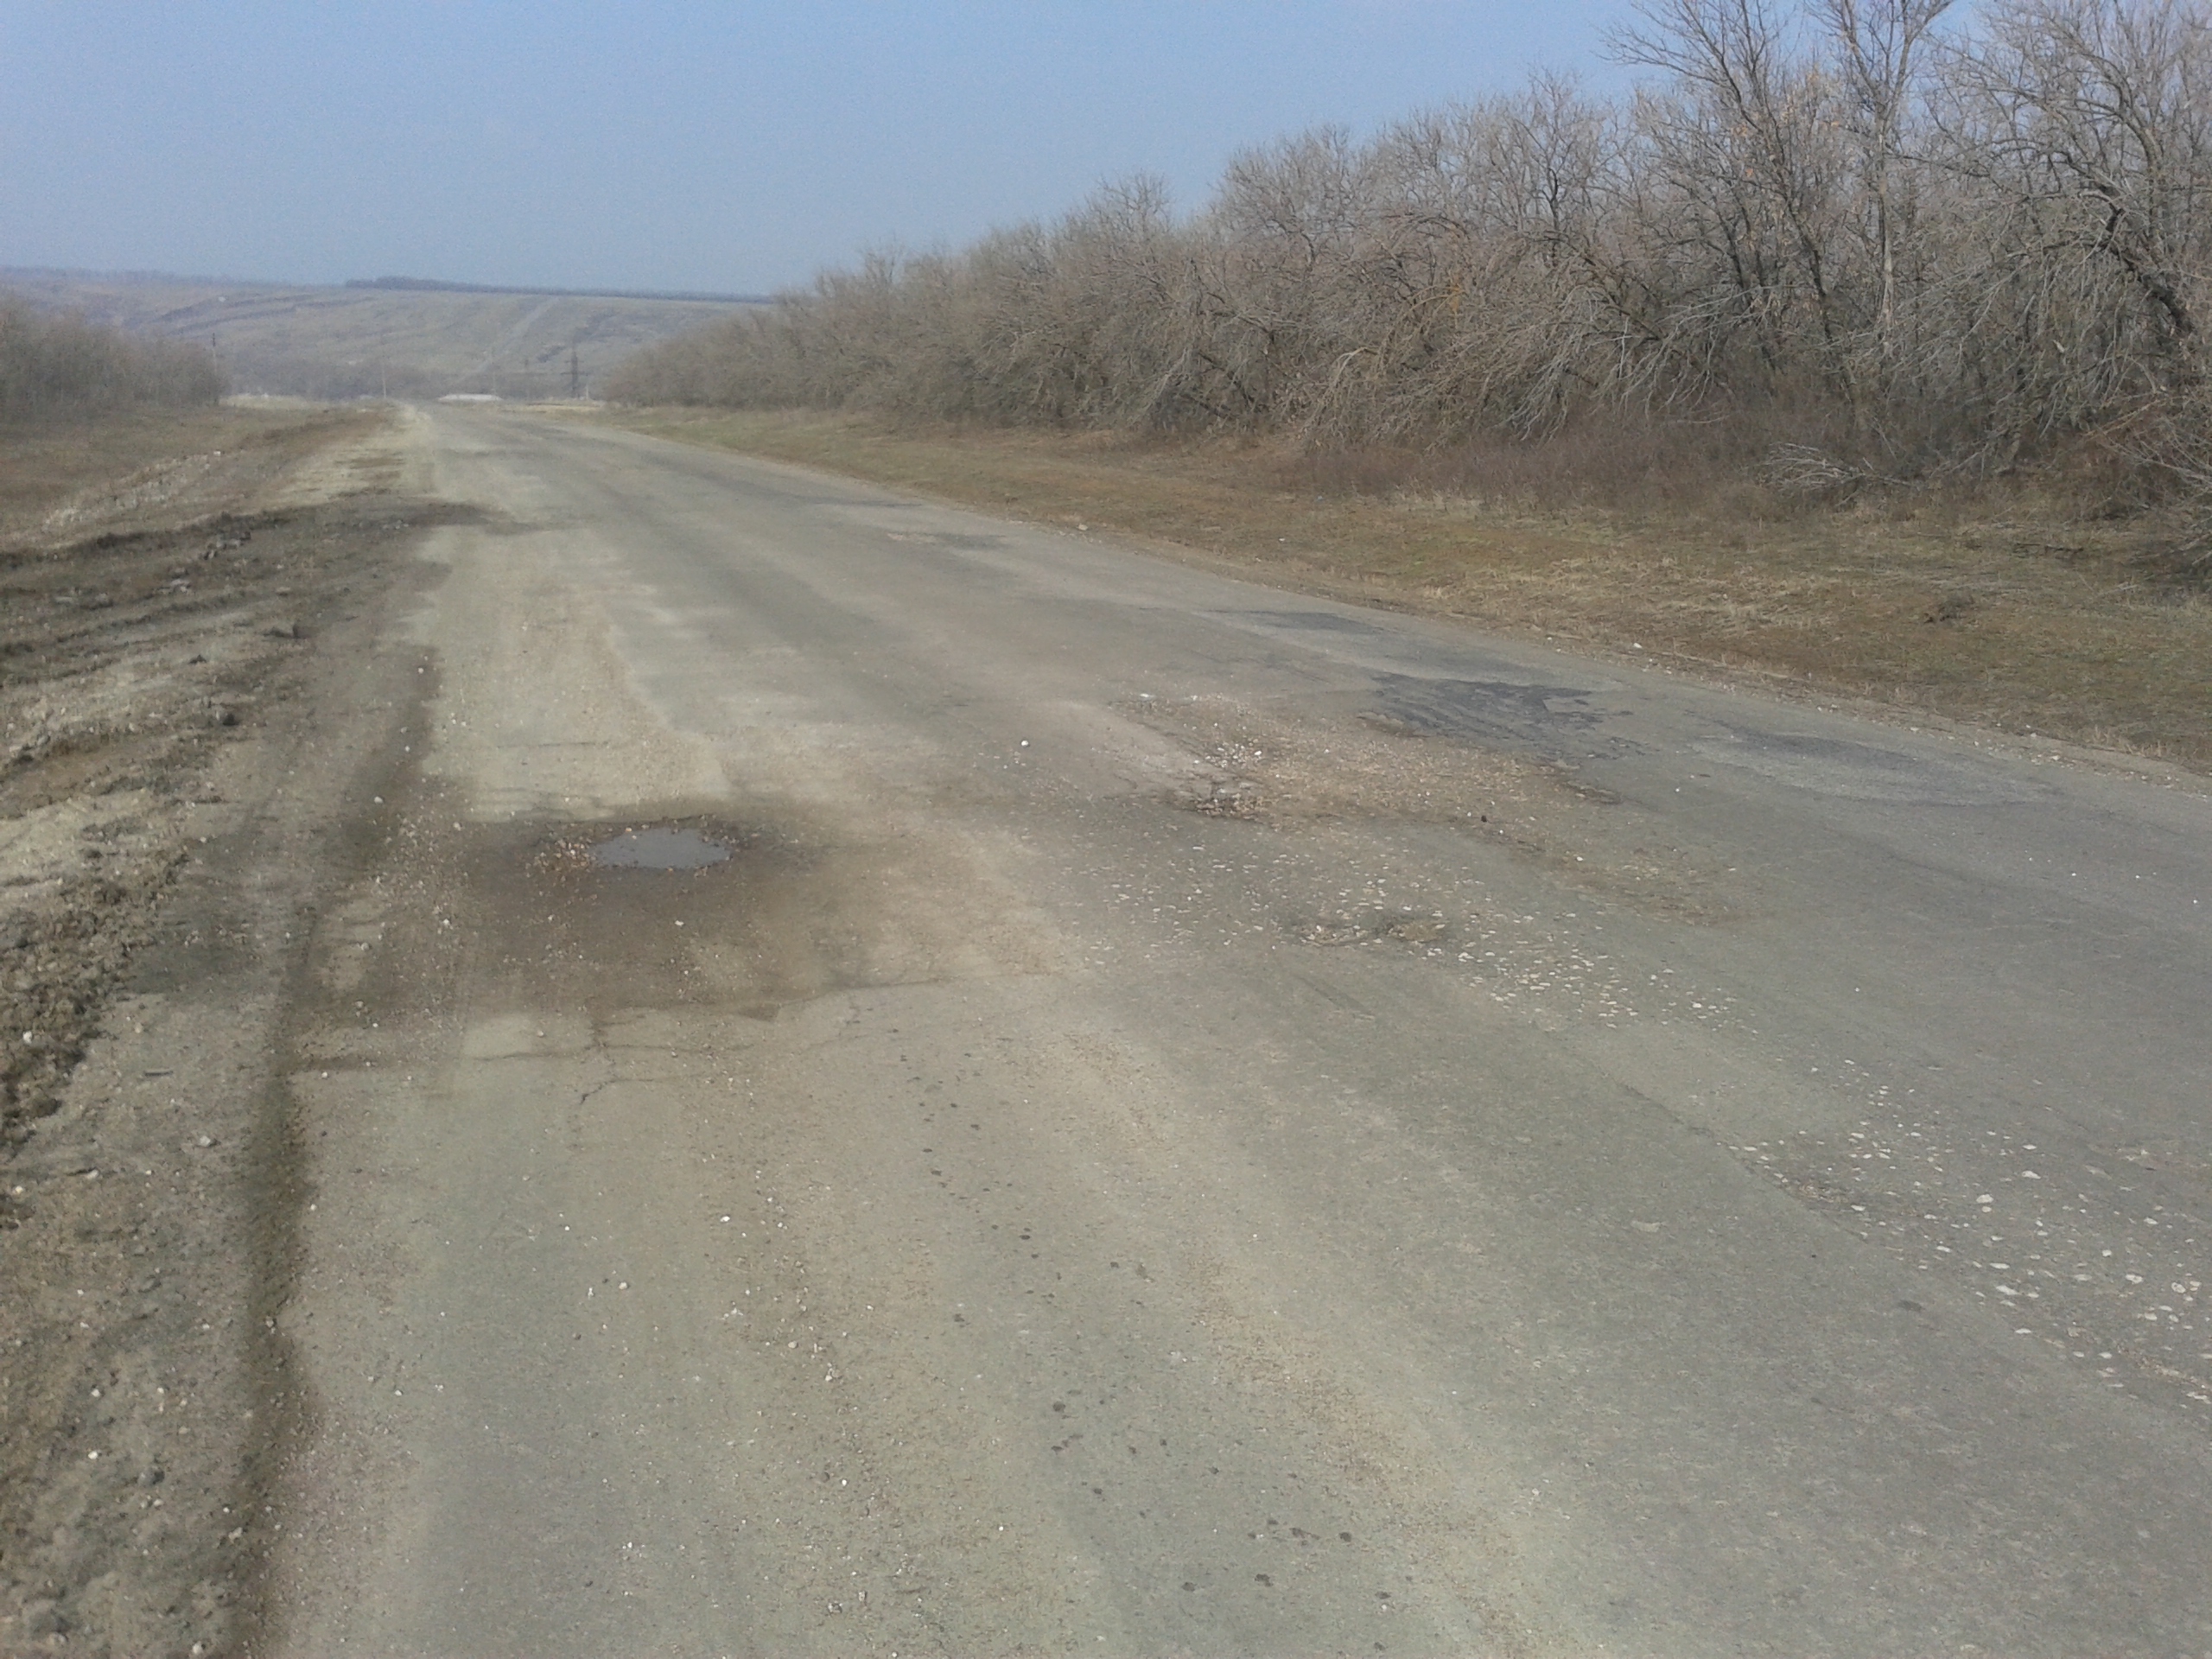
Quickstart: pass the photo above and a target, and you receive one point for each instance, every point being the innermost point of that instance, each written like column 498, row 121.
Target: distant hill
column 403, row 337
column 431, row 285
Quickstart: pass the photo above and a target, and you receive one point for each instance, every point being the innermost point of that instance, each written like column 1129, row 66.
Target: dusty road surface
column 1167, row 1116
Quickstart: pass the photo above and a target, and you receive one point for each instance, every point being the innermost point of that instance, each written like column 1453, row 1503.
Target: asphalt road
column 1194, row 1119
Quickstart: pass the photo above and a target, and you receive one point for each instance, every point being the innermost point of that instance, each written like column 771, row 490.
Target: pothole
column 658, row 849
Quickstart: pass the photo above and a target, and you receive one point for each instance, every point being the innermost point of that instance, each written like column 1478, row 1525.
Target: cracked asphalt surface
column 1196, row 1120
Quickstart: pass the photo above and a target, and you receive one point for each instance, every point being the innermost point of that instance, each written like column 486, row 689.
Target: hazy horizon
column 660, row 148
column 387, row 281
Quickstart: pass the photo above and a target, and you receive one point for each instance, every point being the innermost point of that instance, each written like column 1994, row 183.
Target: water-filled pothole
column 658, row 849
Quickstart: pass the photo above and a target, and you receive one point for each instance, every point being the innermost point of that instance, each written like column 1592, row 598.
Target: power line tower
column 572, row 371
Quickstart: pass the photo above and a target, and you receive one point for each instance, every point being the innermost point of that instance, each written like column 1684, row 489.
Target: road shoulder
column 182, row 758
column 1996, row 614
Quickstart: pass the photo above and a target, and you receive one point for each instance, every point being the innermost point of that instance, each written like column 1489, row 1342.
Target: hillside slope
column 348, row 342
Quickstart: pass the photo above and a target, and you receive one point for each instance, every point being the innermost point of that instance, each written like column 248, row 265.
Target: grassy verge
column 1999, row 609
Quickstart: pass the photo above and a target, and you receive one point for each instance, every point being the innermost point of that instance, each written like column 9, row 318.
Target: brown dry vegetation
column 63, row 368
column 2005, row 604
column 1848, row 241
column 88, row 468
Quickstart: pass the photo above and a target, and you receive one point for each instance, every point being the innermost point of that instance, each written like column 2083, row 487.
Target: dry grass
column 1997, row 607
column 94, row 464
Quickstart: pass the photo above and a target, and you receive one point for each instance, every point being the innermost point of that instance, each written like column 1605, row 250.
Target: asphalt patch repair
column 182, row 711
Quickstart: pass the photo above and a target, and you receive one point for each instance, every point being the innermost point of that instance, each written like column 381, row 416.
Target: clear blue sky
column 732, row 147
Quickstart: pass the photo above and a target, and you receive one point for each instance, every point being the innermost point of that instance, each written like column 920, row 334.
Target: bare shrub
column 1611, row 458
column 59, row 368
column 1823, row 246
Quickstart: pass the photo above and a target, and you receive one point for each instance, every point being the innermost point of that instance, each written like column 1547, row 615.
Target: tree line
column 1854, row 239
column 57, row 367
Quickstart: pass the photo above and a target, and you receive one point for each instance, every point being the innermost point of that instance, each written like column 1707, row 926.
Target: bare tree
column 1878, row 42
column 2105, row 107
column 1842, row 222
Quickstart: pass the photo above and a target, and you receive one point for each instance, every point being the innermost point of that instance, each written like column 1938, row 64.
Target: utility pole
column 572, row 371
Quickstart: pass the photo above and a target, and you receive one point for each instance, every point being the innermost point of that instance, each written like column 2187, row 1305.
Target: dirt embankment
column 189, row 683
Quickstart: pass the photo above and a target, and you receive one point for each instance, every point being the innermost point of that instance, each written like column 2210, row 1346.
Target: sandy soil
column 185, row 677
